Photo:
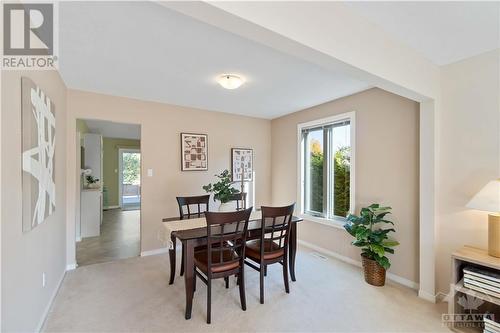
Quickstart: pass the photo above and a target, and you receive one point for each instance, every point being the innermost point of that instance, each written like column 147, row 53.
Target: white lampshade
column 488, row 199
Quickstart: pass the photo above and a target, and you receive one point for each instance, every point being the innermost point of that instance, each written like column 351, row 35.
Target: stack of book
column 491, row 326
column 484, row 281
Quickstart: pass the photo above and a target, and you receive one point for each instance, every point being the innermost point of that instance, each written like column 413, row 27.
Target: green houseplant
column 92, row 182
column 222, row 190
column 373, row 241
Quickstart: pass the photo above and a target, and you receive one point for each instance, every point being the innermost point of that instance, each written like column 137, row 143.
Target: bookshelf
column 471, row 256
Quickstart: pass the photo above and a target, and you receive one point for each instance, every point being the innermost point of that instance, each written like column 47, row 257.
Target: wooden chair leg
column 261, row 284
column 226, row 279
column 194, row 280
column 243, row 300
column 285, row 274
column 209, row 300
column 182, row 261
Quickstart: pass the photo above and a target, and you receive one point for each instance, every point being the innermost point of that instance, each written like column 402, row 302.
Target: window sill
column 337, row 222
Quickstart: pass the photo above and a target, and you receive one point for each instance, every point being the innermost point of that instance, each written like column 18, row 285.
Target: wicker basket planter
column 374, row 273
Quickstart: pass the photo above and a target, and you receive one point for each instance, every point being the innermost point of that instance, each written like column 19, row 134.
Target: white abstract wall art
column 38, row 155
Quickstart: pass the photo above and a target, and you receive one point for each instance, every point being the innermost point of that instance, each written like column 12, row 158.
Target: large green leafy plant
column 222, row 189
column 370, row 237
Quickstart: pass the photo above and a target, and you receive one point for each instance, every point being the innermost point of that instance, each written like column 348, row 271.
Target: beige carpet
column 133, row 295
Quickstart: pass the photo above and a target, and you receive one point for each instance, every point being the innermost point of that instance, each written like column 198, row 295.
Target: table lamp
column 488, row 199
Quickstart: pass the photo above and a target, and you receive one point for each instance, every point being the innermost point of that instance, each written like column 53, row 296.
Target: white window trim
column 336, row 221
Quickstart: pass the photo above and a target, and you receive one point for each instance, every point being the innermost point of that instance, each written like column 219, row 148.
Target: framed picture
column 242, row 163
column 38, row 155
column 194, row 152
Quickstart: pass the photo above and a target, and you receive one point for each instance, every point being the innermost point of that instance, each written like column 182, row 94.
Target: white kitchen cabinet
column 90, row 212
column 92, row 144
column 91, row 199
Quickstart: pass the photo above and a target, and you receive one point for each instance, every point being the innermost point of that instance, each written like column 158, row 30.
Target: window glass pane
column 314, row 171
column 341, row 164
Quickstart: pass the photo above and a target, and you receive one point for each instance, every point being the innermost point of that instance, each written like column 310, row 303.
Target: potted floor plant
column 222, row 190
column 373, row 241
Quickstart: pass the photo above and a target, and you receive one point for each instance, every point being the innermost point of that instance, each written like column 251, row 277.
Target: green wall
column 110, row 165
column 81, row 126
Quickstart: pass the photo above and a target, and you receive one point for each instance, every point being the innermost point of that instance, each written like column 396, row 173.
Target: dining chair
column 272, row 247
column 224, row 255
column 186, row 203
column 239, row 197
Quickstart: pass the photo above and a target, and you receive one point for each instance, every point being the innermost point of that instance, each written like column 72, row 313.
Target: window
column 326, row 167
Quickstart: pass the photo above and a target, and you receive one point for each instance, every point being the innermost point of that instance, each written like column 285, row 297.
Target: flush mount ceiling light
column 230, row 81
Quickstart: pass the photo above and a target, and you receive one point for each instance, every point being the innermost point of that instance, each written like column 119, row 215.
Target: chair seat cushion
column 271, row 250
column 201, row 261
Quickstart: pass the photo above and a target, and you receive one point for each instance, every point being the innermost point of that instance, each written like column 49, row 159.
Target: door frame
column 120, row 171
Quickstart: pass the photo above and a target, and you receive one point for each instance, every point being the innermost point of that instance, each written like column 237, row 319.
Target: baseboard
column 393, row 277
column 111, row 207
column 427, row 296
column 71, row 267
column 441, row 297
column 49, row 304
column 154, row 252
column 403, row 281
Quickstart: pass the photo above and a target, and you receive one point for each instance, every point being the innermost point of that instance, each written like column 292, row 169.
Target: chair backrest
column 195, row 200
column 275, row 227
column 226, row 237
column 241, row 196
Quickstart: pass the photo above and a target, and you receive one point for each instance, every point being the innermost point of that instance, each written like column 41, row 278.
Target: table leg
column 171, row 254
column 292, row 249
column 188, row 275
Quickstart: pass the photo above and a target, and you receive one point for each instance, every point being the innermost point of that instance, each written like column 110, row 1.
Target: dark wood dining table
column 192, row 238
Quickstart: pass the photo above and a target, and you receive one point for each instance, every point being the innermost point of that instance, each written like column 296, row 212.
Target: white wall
column 469, row 153
column 26, row 255
column 387, row 170
column 161, row 125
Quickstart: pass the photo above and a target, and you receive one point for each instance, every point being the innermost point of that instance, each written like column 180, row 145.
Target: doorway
column 129, row 179
column 108, row 223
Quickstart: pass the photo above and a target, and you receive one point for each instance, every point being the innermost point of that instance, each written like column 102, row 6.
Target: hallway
column 119, row 239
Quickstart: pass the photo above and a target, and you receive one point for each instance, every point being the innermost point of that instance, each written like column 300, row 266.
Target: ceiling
column 109, row 129
column 443, row 32
column 144, row 50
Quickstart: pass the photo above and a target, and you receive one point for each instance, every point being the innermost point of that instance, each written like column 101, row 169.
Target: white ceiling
column 146, row 51
column 110, row 129
column 443, row 32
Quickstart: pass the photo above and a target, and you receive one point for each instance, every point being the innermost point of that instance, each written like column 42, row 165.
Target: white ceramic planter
column 226, row 207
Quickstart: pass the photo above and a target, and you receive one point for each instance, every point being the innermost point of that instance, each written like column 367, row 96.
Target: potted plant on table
column 92, row 182
column 373, row 241
column 223, row 191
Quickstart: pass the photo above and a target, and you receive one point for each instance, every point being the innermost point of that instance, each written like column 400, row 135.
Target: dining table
column 192, row 233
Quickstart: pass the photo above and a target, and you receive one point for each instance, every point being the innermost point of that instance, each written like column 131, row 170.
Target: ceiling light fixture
column 230, row 81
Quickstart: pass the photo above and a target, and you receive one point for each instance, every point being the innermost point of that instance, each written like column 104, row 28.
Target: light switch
column 150, row 172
